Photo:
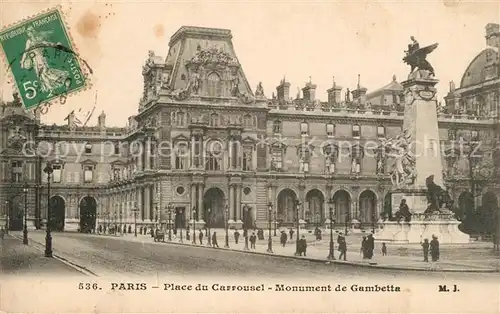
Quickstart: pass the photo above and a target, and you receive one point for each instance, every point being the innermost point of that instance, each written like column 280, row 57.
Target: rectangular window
column 212, row 162
column 277, row 127
column 88, row 148
column 330, row 130
column 57, row 173
column 277, row 159
column 380, row 131
column 117, row 149
column 304, row 128
column 181, row 157
column 17, row 170
column 88, row 173
column 247, row 158
column 452, row 134
column 474, row 135
column 304, row 166
column 356, row 131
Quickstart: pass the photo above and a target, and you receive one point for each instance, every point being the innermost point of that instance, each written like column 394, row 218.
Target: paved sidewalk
column 17, row 259
column 318, row 251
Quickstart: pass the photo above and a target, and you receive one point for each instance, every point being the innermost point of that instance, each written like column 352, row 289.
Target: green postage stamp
column 42, row 59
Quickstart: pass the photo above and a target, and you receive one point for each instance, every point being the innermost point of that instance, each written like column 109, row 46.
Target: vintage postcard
column 250, row 157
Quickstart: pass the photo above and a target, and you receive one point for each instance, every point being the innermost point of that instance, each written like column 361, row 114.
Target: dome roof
column 478, row 70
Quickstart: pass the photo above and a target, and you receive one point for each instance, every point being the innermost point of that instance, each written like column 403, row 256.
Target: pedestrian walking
column 342, row 244
column 362, row 251
column 214, row 240
column 384, row 249
column 434, row 246
column 253, row 239
column 425, row 249
column 283, row 238
column 302, row 246
column 236, row 236
column 291, row 234
column 2, row 233
column 370, row 246
column 200, row 236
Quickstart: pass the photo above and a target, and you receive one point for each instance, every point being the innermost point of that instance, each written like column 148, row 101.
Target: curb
column 63, row 260
column 354, row 264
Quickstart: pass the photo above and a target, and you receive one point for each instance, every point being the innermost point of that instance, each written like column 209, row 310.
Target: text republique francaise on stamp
column 42, row 59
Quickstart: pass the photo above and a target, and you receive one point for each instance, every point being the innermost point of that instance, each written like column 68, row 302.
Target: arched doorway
column 315, row 203
column 342, row 201
column 286, row 206
column 489, row 212
column 466, row 205
column 214, row 200
column 367, row 207
column 88, row 210
column 388, row 206
column 16, row 213
column 57, row 213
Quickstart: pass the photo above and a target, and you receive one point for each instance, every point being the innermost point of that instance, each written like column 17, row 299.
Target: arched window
column 181, row 118
column 214, row 153
column 213, row 85
column 304, row 153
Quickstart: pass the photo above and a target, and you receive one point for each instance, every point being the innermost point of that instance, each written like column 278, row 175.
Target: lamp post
column 7, row 216
column 181, row 214
column 121, row 222
column 25, row 229
column 245, row 231
column 193, row 212
column 169, row 212
column 346, row 221
column 48, row 238
column 115, row 223
column 270, row 240
column 317, row 220
column 297, row 209
column 208, row 227
column 136, row 211
column 331, row 255
column 373, row 223
column 227, row 226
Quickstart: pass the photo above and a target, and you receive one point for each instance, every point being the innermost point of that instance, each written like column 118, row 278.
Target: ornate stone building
column 208, row 147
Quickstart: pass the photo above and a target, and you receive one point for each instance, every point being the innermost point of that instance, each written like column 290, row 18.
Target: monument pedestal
column 418, row 168
column 446, row 231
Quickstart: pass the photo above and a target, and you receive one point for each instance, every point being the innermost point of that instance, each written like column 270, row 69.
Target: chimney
column 283, row 90
column 101, row 120
column 334, row 93
column 493, row 35
column 359, row 94
column 309, row 91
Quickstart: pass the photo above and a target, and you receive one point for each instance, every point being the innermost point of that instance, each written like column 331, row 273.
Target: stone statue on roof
column 259, row 92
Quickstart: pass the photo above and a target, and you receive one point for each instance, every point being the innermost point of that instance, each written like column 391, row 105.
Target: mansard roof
column 476, row 72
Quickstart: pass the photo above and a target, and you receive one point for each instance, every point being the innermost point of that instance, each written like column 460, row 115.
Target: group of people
column 367, row 246
column 433, row 246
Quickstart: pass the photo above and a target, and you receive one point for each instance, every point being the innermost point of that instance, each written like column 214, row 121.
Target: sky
column 272, row 39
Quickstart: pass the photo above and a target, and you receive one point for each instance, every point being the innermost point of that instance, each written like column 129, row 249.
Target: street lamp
column 275, row 220
column 346, row 221
column 373, row 223
column 181, row 214
column 169, row 212
column 48, row 238
column 331, row 255
column 227, row 227
column 297, row 208
column 136, row 211
column 208, row 227
column 245, row 230
column 317, row 220
column 193, row 213
column 7, row 216
column 25, row 229
column 270, row 240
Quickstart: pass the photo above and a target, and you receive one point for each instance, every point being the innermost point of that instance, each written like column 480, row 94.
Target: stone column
column 200, row 202
column 193, row 144
column 139, row 156
column 193, row 198
column 147, row 203
column 148, row 153
column 238, row 203
column 232, row 207
column 140, row 214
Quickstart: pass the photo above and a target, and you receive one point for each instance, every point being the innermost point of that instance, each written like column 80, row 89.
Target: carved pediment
column 118, row 162
column 89, row 162
column 180, row 138
column 212, row 56
column 248, row 140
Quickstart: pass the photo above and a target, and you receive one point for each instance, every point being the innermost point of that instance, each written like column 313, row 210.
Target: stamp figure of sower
column 42, row 60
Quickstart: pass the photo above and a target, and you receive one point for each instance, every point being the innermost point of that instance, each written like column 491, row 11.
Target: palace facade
column 208, row 147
